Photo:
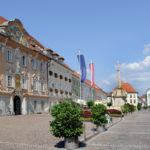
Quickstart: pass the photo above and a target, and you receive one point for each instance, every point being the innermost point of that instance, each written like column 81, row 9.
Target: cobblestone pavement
column 132, row 133
column 30, row 132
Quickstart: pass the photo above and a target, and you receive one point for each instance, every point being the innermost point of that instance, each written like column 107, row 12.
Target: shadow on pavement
column 60, row 144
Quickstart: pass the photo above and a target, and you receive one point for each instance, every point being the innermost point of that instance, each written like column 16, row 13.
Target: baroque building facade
column 26, row 83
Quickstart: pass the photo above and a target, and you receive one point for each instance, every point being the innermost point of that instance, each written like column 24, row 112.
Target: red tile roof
column 127, row 87
column 60, row 57
column 76, row 74
column 109, row 94
column 2, row 20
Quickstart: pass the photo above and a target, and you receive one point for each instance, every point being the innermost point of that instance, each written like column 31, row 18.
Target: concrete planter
column 101, row 128
column 71, row 143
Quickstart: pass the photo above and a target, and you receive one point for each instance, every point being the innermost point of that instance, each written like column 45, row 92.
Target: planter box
column 71, row 143
column 101, row 128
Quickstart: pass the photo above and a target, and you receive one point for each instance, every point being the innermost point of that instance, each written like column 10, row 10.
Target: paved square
column 31, row 132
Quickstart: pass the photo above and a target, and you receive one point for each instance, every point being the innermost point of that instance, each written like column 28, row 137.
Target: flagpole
column 80, row 75
column 91, row 79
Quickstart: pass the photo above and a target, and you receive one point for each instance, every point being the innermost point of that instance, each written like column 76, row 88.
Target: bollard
column 84, row 132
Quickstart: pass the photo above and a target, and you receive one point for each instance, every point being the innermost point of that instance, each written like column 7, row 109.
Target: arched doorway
column 17, row 105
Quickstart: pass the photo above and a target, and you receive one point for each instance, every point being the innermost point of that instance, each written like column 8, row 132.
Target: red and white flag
column 92, row 73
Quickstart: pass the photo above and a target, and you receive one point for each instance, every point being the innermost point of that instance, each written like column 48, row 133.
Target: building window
column 34, row 63
column 23, row 60
column 42, row 105
column 131, row 101
column 42, row 67
column 9, row 55
column 42, row 86
column 130, row 96
column 9, row 81
column 35, row 103
column 24, row 85
column 50, row 73
column 56, row 75
column 66, row 79
column 34, row 84
column 70, row 80
column 61, row 77
column 134, row 101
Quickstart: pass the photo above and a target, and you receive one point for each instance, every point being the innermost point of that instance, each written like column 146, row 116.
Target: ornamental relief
column 15, row 33
column 17, row 82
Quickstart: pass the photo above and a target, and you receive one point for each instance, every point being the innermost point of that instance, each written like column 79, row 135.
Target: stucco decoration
column 15, row 33
column 17, row 82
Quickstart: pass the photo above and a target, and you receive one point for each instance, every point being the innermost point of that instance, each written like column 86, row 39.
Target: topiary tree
column 98, row 114
column 109, row 104
column 139, row 106
column 90, row 103
column 125, row 108
column 67, row 121
column 132, row 108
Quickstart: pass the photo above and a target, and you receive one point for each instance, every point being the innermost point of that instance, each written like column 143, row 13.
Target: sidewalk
column 132, row 133
column 90, row 129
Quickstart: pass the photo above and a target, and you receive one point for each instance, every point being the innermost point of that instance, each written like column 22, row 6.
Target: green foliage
column 126, row 108
column 109, row 104
column 98, row 114
column 67, row 121
column 139, row 106
column 90, row 103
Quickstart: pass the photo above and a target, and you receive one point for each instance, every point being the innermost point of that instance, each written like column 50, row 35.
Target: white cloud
column 137, row 66
column 136, row 73
column 107, row 82
column 146, row 49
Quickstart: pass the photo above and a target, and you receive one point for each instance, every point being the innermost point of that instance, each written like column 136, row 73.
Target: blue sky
column 104, row 31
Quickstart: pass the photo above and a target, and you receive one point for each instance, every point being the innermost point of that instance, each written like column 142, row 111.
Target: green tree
column 66, row 121
column 90, row 103
column 109, row 104
column 98, row 114
column 139, row 106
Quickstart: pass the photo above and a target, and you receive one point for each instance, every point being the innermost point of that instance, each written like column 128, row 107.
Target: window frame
column 9, row 55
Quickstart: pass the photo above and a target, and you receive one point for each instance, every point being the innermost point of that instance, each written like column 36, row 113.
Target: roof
column 127, row 87
column 76, row 74
column 109, row 94
column 67, row 66
column 2, row 20
column 144, row 96
column 32, row 42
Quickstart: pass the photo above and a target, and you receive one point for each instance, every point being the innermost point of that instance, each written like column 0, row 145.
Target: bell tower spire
column 119, row 81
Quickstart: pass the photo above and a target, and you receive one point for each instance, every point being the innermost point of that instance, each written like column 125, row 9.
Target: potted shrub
column 109, row 104
column 139, row 106
column 90, row 103
column 98, row 116
column 67, row 123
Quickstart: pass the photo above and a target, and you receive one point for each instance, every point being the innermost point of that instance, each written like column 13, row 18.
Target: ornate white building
column 122, row 94
column 25, row 81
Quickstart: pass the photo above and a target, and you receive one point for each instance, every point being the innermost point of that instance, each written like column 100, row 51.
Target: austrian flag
column 92, row 73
